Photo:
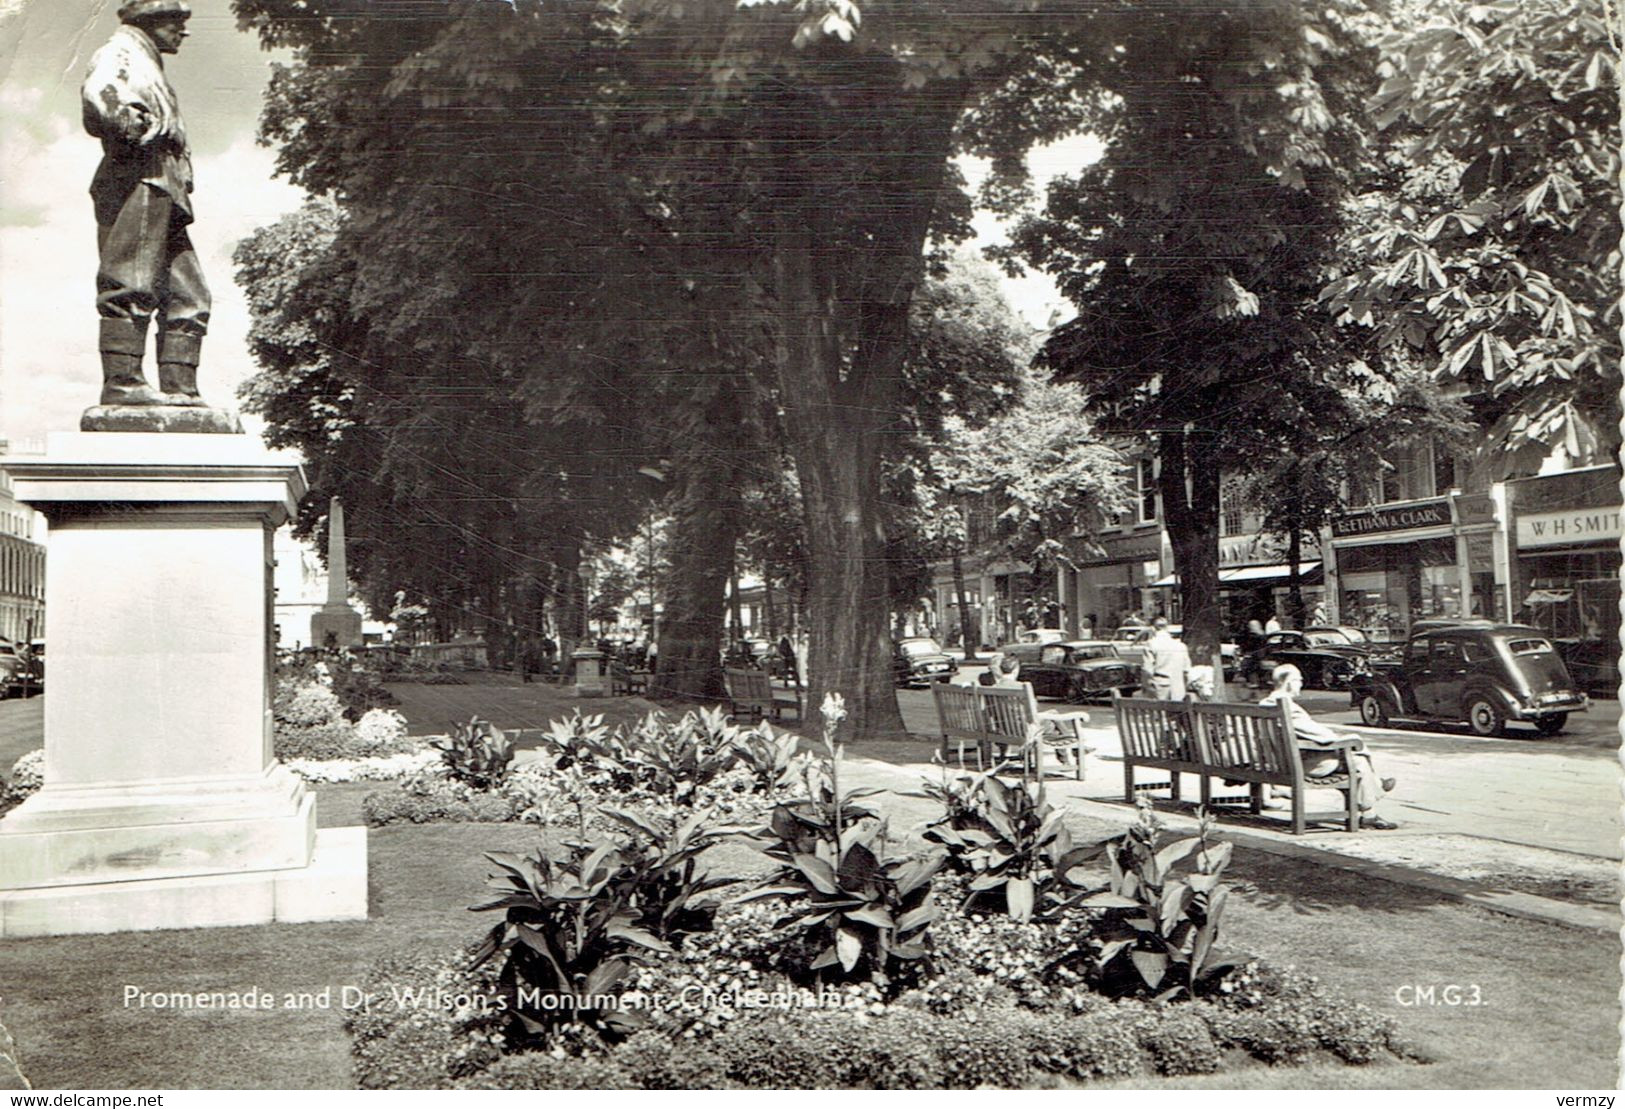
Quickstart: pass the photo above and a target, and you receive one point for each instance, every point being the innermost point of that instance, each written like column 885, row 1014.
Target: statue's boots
column 122, row 343
column 178, row 353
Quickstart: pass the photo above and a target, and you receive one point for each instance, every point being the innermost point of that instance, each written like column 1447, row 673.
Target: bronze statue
column 142, row 194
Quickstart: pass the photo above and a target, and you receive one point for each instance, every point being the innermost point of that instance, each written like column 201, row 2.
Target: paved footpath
column 1561, row 794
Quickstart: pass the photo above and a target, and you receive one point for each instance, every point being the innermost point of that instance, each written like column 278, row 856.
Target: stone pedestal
column 589, row 667
column 335, row 627
column 162, row 805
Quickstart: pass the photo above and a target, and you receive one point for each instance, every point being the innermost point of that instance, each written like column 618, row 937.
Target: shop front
column 1255, row 582
column 1394, row 564
column 1115, row 579
column 1565, row 573
column 1003, row 596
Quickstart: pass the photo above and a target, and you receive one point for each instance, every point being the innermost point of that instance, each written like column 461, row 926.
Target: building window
column 1232, row 513
column 1147, row 490
column 1444, row 471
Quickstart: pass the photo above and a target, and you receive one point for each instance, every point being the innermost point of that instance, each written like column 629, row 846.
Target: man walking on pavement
column 142, row 196
column 1167, row 664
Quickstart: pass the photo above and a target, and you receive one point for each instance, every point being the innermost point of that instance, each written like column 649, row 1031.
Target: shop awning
column 1549, row 597
column 1253, row 575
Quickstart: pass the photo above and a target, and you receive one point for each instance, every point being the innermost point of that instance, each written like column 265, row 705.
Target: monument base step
column 332, row 887
column 109, row 833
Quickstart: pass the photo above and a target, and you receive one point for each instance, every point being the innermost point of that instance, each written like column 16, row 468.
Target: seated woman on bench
column 1368, row 787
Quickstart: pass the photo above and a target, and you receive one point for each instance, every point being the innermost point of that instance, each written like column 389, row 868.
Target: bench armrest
column 1352, row 743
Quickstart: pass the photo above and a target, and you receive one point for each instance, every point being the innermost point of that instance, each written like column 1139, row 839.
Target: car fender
column 1507, row 700
column 1380, row 687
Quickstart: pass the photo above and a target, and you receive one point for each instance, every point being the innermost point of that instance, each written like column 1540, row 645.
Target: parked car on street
column 920, row 660
column 1079, row 670
column 1040, row 635
column 753, row 653
column 17, row 674
column 1327, row 657
column 1477, row 673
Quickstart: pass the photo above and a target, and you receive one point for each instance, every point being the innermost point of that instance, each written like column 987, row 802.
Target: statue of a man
column 142, row 193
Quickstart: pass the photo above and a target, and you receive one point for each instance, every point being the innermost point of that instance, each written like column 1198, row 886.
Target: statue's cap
column 132, row 11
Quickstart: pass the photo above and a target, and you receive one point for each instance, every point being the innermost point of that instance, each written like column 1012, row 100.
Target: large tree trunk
column 967, row 626
column 1189, row 484
column 703, row 532
column 842, row 302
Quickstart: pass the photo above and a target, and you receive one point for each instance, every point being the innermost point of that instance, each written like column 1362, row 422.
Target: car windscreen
column 1327, row 639
column 920, row 647
column 1102, row 651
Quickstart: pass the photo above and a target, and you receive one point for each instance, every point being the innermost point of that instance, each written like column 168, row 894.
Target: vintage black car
column 1079, row 670
column 19, row 676
column 1328, row 658
column 920, row 660
column 1478, row 673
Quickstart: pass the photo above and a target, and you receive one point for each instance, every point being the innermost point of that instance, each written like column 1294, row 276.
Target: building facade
column 22, row 566
column 1431, row 536
column 1563, row 569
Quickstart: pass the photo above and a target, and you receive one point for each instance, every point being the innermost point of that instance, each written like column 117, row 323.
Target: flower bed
column 997, row 953
column 26, row 777
column 660, row 768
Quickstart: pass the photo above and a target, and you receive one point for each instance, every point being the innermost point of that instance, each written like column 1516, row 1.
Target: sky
column 49, row 368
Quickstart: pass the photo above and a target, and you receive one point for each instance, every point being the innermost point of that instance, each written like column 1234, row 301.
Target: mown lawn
column 1549, row 1014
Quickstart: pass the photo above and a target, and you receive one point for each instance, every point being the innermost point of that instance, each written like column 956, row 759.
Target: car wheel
column 1373, row 713
column 1551, row 725
column 1076, row 694
column 1485, row 717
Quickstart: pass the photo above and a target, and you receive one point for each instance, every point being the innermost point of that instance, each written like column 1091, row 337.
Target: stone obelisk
column 336, row 624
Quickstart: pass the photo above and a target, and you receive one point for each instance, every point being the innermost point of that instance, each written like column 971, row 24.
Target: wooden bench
column 751, row 695
column 1160, row 735
column 1253, row 744
column 624, row 681
column 999, row 717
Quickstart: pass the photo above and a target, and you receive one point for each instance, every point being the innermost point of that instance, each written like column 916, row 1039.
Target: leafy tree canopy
column 1489, row 231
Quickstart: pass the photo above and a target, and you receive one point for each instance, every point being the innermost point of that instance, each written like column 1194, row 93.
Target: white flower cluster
column 380, row 727
column 27, row 776
column 373, row 768
column 310, row 705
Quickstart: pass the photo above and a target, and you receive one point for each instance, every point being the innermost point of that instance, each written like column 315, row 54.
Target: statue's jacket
column 129, row 105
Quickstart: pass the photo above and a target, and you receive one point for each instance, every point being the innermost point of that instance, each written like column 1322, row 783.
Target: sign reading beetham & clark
column 1404, row 517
